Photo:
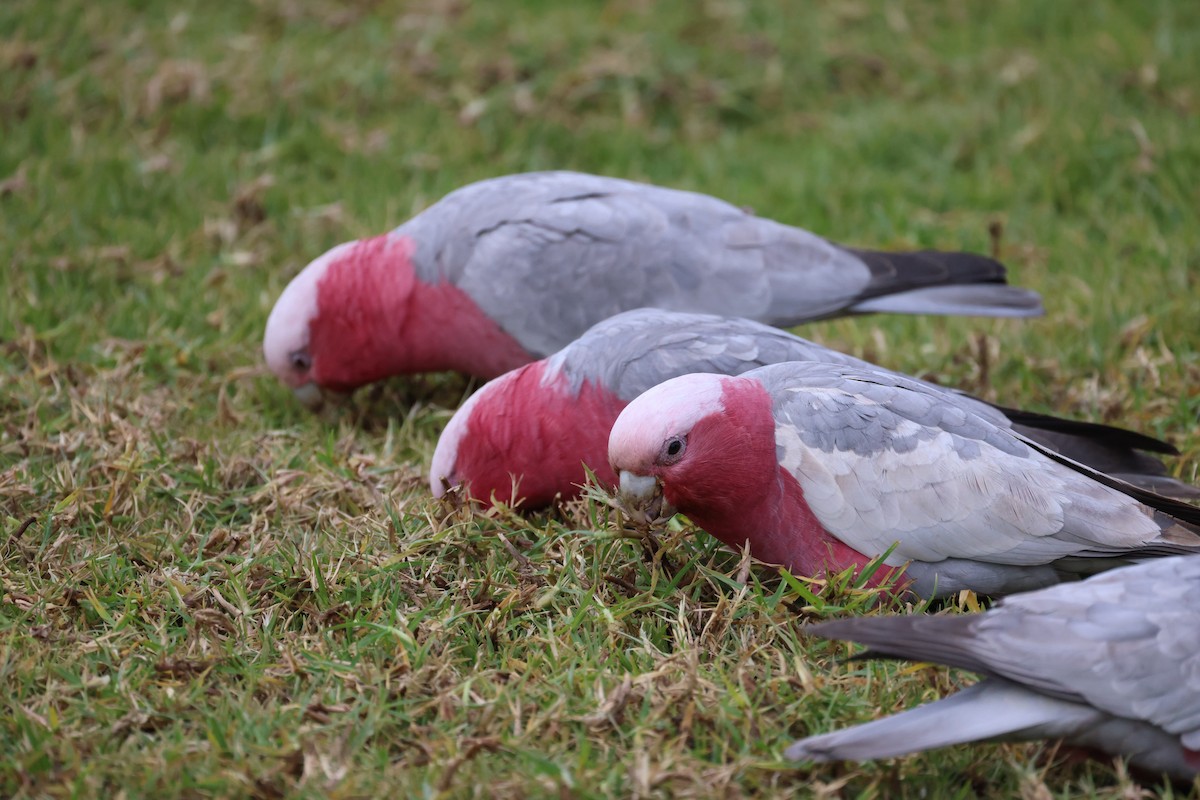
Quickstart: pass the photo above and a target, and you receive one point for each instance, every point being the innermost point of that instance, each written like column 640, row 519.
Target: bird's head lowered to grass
column 692, row 440
column 360, row 313
column 504, row 271
column 328, row 330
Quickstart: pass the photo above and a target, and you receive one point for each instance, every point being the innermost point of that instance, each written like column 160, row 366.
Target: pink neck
column 376, row 319
column 542, row 435
column 782, row 529
column 445, row 330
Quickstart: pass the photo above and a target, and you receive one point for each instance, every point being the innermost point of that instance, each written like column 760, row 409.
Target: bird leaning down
column 821, row 467
column 530, row 435
column 1109, row 664
column 506, row 271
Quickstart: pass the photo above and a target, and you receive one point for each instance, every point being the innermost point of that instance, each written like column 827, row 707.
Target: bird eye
column 301, row 361
column 673, row 449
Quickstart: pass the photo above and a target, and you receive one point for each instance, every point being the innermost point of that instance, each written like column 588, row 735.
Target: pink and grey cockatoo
column 539, row 425
column 820, row 467
column 505, row 271
column 1109, row 664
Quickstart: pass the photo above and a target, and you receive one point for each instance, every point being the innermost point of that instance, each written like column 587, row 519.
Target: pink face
column 358, row 314
column 651, row 432
column 525, row 437
column 329, row 328
column 701, row 443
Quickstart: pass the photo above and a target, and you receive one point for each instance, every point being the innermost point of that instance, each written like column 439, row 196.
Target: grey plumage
column 633, row 351
column 630, row 352
column 1112, row 663
column 578, row 248
column 883, row 459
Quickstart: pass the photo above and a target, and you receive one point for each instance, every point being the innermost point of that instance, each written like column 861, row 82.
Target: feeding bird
column 820, row 467
column 506, row 271
column 1109, row 664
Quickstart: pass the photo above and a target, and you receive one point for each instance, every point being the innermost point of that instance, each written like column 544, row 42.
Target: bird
column 532, row 434
column 1111, row 664
column 822, row 467
column 508, row 270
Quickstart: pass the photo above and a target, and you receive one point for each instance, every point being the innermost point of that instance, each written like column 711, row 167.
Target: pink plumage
column 819, row 467
column 507, row 270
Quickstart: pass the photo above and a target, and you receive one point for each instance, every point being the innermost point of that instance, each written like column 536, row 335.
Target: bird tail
column 1114, row 451
column 993, row 709
column 936, row 282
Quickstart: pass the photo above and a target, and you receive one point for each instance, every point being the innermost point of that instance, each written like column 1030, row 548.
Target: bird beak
column 310, row 395
column 642, row 499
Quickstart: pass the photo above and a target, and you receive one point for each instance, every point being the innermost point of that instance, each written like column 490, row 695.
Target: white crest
column 666, row 410
column 287, row 327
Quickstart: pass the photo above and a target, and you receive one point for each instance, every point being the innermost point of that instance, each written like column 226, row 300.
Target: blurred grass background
column 209, row 592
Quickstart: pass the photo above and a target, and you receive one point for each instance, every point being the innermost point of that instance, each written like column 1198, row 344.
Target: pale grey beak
column 642, row 499
column 310, row 395
column 314, row 397
column 638, row 488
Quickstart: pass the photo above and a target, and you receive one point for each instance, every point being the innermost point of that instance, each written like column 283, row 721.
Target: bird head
column 695, row 444
column 526, row 436
column 334, row 327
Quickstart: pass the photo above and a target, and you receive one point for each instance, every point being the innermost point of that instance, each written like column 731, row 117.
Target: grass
column 209, row 592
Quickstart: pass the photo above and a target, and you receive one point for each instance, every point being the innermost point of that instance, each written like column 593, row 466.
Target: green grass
column 209, row 592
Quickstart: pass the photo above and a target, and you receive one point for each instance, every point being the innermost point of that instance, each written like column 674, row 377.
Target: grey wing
column 548, row 255
column 1125, row 642
column 635, row 350
column 883, row 459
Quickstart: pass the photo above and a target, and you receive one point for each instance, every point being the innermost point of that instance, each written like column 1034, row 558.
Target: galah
column 505, row 271
column 822, row 467
column 530, row 434
column 1109, row 664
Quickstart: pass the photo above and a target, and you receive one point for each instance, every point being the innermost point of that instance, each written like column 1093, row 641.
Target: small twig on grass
column 521, row 558
column 996, row 233
column 24, row 526
column 489, row 743
column 624, row 584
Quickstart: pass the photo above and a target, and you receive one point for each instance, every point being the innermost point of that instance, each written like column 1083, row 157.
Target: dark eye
column 301, row 360
column 673, row 449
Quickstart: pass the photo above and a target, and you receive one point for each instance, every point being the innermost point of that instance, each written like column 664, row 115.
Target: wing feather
column 1125, row 642
column 579, row 248
column 884, row 459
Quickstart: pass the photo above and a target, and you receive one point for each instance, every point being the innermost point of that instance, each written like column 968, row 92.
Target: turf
column 209, row 592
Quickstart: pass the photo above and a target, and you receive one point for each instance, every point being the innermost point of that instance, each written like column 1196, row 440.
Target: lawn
column 207, row 591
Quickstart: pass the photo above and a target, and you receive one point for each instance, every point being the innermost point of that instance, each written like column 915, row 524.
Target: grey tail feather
column 936, row 638
column 981, row 300
column 941, row 282
column 988, row 710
